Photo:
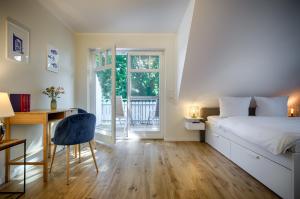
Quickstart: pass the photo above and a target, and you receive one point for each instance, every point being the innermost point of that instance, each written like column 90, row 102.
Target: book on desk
column 20, row 102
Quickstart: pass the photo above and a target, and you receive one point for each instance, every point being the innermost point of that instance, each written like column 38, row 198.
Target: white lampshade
column 6, row 109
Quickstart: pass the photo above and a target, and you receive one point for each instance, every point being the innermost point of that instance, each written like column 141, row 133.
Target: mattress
column 274, row 134
column 213, row 127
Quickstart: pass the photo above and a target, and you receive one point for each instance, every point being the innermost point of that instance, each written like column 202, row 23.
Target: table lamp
column 292, row 112
column 194, row 111
column 6, row 110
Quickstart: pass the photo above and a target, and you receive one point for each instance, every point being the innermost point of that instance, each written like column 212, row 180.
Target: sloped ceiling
column 119, row 16
column 183, row 36
column 242, row 48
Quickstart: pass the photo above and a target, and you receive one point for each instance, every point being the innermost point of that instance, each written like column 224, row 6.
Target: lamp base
column 2, row 131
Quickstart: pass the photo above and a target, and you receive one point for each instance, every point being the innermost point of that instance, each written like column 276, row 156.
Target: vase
column 53, row 104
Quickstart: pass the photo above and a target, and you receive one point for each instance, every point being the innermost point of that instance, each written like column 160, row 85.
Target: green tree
column 143, row 84
column 121, row 76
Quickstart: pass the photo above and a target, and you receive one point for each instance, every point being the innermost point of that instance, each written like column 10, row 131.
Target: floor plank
column 147, row 169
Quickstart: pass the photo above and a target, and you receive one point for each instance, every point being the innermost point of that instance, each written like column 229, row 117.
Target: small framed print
column 53, row 59
column 17, row 46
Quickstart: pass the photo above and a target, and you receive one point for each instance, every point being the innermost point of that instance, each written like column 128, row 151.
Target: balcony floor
column 133, row 130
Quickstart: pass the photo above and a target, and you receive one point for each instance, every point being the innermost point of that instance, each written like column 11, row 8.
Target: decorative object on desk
column 194, row 111
column 54, row 93
column 53, row 58
column 6, row 110
column 20, row 102
column 17, row 41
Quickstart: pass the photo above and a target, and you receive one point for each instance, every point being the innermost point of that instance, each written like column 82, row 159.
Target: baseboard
column 182, row 139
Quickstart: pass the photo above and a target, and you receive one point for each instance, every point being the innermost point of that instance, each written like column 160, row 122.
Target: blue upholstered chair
column 74, row 130
column 80, row 110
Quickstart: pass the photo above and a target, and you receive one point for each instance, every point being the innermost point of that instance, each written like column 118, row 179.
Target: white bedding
column 275, row 134
column 214, row 118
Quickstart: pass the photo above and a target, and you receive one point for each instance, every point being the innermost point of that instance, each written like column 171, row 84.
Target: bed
column 271, row 158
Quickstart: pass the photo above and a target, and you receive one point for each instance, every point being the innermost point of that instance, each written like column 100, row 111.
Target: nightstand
column 195, row 124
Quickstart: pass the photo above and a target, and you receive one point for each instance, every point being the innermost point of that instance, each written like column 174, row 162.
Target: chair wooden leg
column 52, row 159
column 75, row 150
column 68, row 163
column 79, row 152
column 94, row 142
column 92, row 151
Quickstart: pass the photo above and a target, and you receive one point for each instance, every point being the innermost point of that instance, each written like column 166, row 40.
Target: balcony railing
column 142, row 111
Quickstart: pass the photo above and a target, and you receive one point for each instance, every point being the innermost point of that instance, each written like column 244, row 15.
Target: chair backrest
column 119, row 107
column 80, row 110
column 75, row 129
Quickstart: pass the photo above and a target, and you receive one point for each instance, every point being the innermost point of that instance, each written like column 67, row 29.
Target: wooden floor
column 147, row 169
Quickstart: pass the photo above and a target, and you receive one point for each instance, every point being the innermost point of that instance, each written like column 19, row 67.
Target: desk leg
column 45, row 149
column 24, row 188
column 7, row 153
column 49, row 139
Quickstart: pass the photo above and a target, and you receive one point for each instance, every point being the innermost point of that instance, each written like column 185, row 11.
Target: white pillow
column 234, row 106
column 271, row 106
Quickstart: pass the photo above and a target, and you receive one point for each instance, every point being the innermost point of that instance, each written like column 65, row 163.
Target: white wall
column 33, row 77
column 241, row 47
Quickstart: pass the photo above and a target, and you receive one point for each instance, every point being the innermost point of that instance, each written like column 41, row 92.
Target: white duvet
column 275, row 134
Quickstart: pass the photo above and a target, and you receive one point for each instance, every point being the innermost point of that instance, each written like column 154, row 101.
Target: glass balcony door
column 105, row 94
column 144, row 91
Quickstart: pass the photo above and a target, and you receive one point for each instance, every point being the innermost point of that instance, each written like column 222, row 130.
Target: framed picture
column 53, row 59
column 17, row 44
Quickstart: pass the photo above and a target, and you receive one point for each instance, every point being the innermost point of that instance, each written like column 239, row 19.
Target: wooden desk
column 44, row 117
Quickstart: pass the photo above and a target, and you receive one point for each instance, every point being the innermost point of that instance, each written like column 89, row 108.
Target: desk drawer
column 27, row 118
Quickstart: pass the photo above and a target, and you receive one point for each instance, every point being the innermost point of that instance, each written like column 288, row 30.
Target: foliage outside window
column 143, row 83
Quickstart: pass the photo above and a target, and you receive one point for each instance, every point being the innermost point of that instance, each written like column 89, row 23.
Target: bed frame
column 282, row 180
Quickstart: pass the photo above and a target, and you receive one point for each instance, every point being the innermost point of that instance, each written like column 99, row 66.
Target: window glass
column 145, row 84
